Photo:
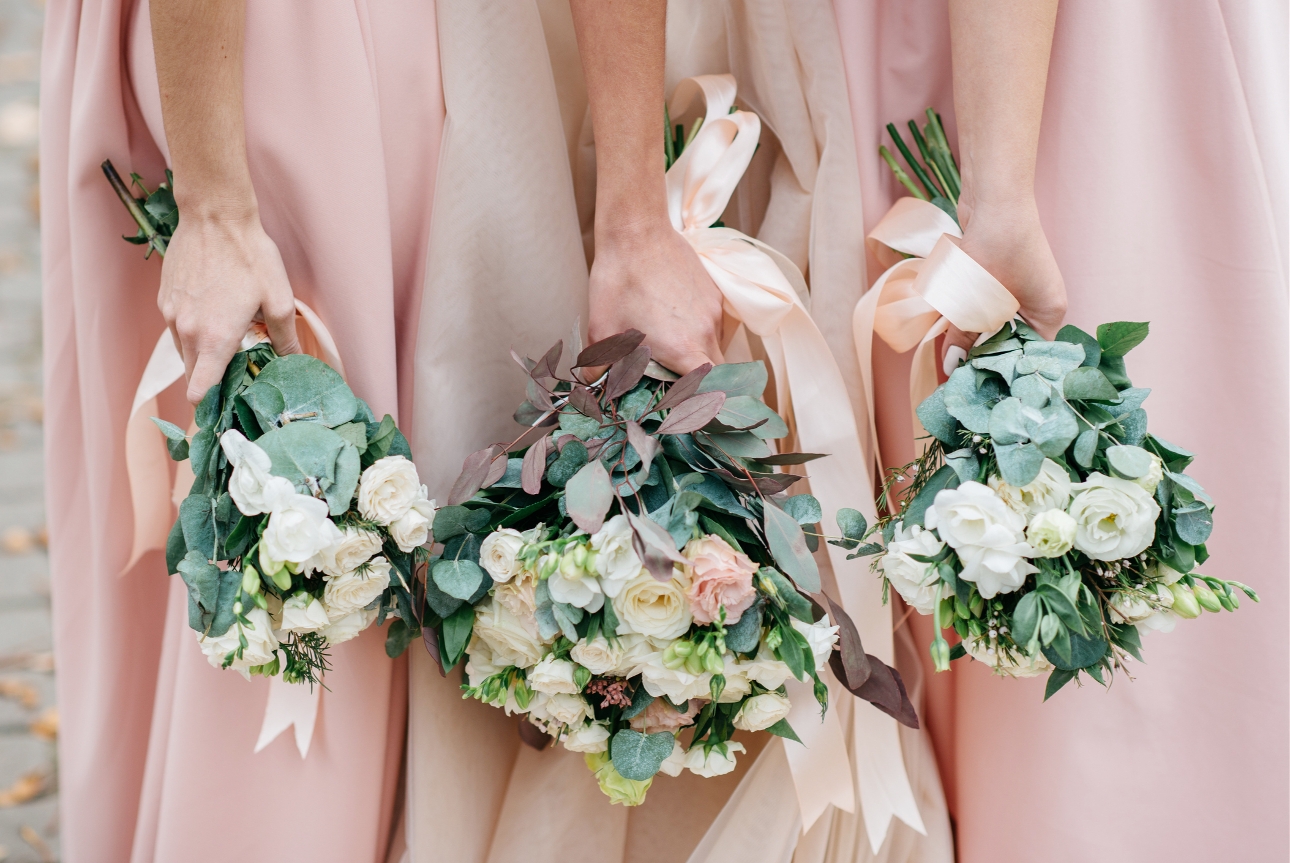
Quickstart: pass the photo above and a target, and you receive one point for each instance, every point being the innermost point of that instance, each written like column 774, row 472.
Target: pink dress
column 344, row 114
column 1162, row 187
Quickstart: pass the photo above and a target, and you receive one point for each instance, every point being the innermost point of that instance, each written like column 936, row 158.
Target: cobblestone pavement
column 28, row 719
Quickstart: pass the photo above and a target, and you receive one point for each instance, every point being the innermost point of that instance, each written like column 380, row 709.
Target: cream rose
column 591, row 737
column 661, row 716
column 388, row 488
column 510, row 638
column 298, row 529
column 637, row 650
column 354, row 548
column 1051, row 533
column 479, row 661
column 566, row 709
column 260, row 643
column 762, row 711
column 676, row 683
column 655, row 608
column 616, row 560
column 1051, row 489
column 254, row 490
column 349, row 626
column 303, row 613
column 987, row 535
column 597, row 656
column 918, row 583
column 1019, row 665
column 674, row 763
column 719, row 576
column 821, row 636
column 412, row 529
column 499, row 554
column 712, row 762
column 519, row 595
column 357, row 588
column 765, row 669
column 553, row 676
column 1114, row 518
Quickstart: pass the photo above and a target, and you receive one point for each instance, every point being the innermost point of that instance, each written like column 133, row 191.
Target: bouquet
column 1043, row 522
column 635, row 582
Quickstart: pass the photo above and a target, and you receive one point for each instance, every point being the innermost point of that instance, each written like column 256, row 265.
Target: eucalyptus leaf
column 1007, row 422
column 745, row 411
column 297, row 388
column 456, row 634
column 1115, row 371
column 1086, row 447
column 1004, row 364
column 944, row 478
column 638, row 756
column 736, row 379
column 965, row 464
column 1129, row 462
column 804, row 508
column 203, row 581
column 588, row 496
column 1134, row 427
column 853, row 525
column 1054, row 431
column 1193, row 523
column 1175, row 457
column 788, row 546
column 1067, row 356
column 571, row 460
column 1088, row 383
column 965, row 402
column 1076, row 336
column 304, row 451
column 936, row 419
column 1033, row 390
column 1193, row 488
column 457, row 578
column 744, row 635
column 197, row 517
column 1019, row 463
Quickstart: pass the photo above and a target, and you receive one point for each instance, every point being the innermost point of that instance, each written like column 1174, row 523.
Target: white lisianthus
column 616, row 560
column 573, row 585
column 1126, row 608
column 513, row 641
column 988, row 536
column 303, row 613
column 553, row 676
column 1019, row 665
column 567, row 709
column 1051, row 489
column 1154, row 474
column 260, row 643
column 254, row 490
column 918, row 583
column 712, row 762
column 592, row 737
column 762, row 711
column 412, row 529
column 597, row 655
column 349, row 626
column 677, row 684
column 655, row 608
column 821, row 636
column 765, row 669
column 357, row 588
column 1162, row 619
column 673, row 764
column 636, row 650
column 353, row 548
column 738, row 685
column 388, row 488
column 499, row 554
column 1051, row 532
column 298, row 529
column 1115, row 518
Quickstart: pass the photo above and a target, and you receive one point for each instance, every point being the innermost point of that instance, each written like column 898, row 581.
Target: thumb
column 208, row 371
column 281, row 323
column 955, row 348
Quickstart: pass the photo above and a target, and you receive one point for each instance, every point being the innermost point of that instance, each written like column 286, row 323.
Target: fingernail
column 953, row 357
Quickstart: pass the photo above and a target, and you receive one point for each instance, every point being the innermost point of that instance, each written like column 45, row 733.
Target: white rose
column 766, row 669
column 1115, row 518
column 637, row 650
column 762, row 711
column 298, row 529
column 677, row 684
column 357, row 588
column 254, row 490
column 388, row 488
column 412, row 529
column 738, row 684
column 597, row 656
column 260, row 643
column 553, row 676
column 573, row 585
column 498, row 554
column 1052, row 533
column 1051, row 489
column 673, row 764
column 303, row 613
column 480, row 664
column 987, row 535
column 349, row 626
column 821, row 636
column 509, row 637
column 592, row 737
column 712, row 763
column 1127, row 608
column 353, row 548
column 566, row 709
column 1019, row 665
column 919, row 584
column 655, row 608
column 1153, row 476
column 616, row 560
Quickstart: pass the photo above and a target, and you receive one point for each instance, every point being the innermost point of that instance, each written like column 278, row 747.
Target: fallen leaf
column 26, row 787
column 17, row 540
column 32, row 838
column 45, row 726
column 21, row 691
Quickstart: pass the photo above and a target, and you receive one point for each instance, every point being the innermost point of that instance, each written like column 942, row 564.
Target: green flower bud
column 1228, row 600
column 619, row 790
column 282, row 578
column 1048, row 628
column 671, row 659
column 940, row 650
column 703, row 647
column 682, row 648
column 1205, row 596
column 978, row 605
column 581, row 677
column 774, row 639
column 580, row 556
column 712, row 662
column 1185, row 603
column 961, row 610
column 694, row 663
column 569, row 567
column 250, row 580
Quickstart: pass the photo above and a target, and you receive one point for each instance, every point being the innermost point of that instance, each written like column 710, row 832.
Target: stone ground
column 28, row 718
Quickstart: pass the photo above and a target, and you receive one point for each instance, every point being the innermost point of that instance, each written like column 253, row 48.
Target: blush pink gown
column 1162, row 188
column 344, row 114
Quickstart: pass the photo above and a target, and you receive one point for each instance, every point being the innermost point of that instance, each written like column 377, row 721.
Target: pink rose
column 660, row 716
column 719, row 576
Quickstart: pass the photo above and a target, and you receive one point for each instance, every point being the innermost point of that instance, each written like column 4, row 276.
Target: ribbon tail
column 819, row 765
column 885, row 791
column 290, row 704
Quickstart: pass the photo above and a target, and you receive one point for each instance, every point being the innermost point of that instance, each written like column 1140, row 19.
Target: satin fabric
column 343, row 121
column 1161, row 186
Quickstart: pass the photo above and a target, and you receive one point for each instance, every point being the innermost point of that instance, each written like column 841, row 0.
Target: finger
column 955, row 348
column 208, row 370
column 281, row 321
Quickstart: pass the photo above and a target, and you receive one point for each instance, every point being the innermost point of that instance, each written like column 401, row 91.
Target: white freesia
column 821, row 636
column 298, row 529
column 553, row 676
column 357, row 588
column 1165, row 574
column 349, row 626
column 1162, row 619
column 655, row 608
column 918, row 583
column 597, row 655
column 303, row 613
column 616, row 560
column 1051, row 489
column 260, row 643
column 1051, row 533
column 712, row 762
column 1019, row 665
column 388, row 488
column 499, row 554
column 573, row 585
column 676, row 683
column 673, row 764
column 591, row 737
column 353, row 548
column 765, row 669
column 987, row 535
column 513, row 641
column 412, row 529
column 254, row 490
column 762, row 711
column 1124, row 607
column 1115, row 518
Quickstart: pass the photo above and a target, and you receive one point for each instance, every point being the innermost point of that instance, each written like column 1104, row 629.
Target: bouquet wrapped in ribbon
column 636, row 582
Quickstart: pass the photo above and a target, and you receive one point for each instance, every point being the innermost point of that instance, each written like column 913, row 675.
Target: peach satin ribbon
column 156, row 499
column 918, row 297
column 764, row 290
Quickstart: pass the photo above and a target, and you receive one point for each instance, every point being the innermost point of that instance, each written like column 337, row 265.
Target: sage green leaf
column 456, row 635
column 936, row 420
column 740, row 444
column 1087, row 383
column 440, row 603
column 1115, row 371
column 944, row 478
column 1084, row 651
column 355, row 433
column 1025, row 619
column 1086, row 447
column 1130, row 400
column 457, row 578
column 804, row 508
column 304, row 451
column 199, row 453
column 571, row 460
column 398, row 638
column 1004, row 364
column 345, row 483
column 965, row 464
column 965, row 402
column 1007, row 422
column 1193, row 523
column 1067, row 356
column 176, row 548
column 1056, row 681
column 297, row 388
column 787, row 597
column 1119, row 338
column 1033, row 390
column 788, row 546
column 588, row 496
column 513, row 477
column 744, row 411
column 1019, row 463
column 744, row 635
column 637, row 756
column 230, row 585
column 1175, row 457
column 1129, row 462
column 208, row 409
column 581, row 427
column 1054, row 431
column 450, row 521
column 176, row 440
column 853, row 525
column 719, row 495
column 736, row 379
column 196, row 515
column 783, row 729
column 202, row 578
column 1076, row 336
column 380, row 437
column 1195, row 491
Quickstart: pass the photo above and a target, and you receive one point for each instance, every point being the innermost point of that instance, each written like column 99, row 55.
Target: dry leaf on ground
column 27, row 787
column 45, row 726
column 20, row 691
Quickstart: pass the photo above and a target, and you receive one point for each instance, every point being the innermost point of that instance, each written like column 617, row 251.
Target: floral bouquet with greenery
column 635, row 582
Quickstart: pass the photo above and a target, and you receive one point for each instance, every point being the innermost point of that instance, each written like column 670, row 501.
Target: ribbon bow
column 764, row 290
column 155, row 498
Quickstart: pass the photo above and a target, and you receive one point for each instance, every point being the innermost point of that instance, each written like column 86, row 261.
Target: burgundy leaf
column 533, row 736
column 496, row 470
column 523, row 362
column 588, row 496
column 610, row 350
column 791, row 457
column 473, row 473
column 595, row 445
column 765, row 484
column 585, row 403
column 627, row 372
column 693, row 413
column 852, row 667
column 528, row 413
column 536, row 390
column 660, row 550
column 646, row 447
column 684, row 388
column 562, row 440
column 659, row 373
column 430, row 638
column 546, row 366
column 534, row 466
column 885, row 690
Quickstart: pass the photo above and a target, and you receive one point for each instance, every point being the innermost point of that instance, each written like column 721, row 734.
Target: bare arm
column 221, row 269
column 645, row 275
column 1000, row 52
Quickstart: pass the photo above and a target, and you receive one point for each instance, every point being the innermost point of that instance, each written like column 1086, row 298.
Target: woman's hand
column 219, row 275
column 652, row 280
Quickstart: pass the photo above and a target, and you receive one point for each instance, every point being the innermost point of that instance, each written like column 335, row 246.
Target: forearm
column 198, row 46
column 1000, row 51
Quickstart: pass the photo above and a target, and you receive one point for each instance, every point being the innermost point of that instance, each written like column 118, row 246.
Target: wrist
column 626, row 228
column 224, row 200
